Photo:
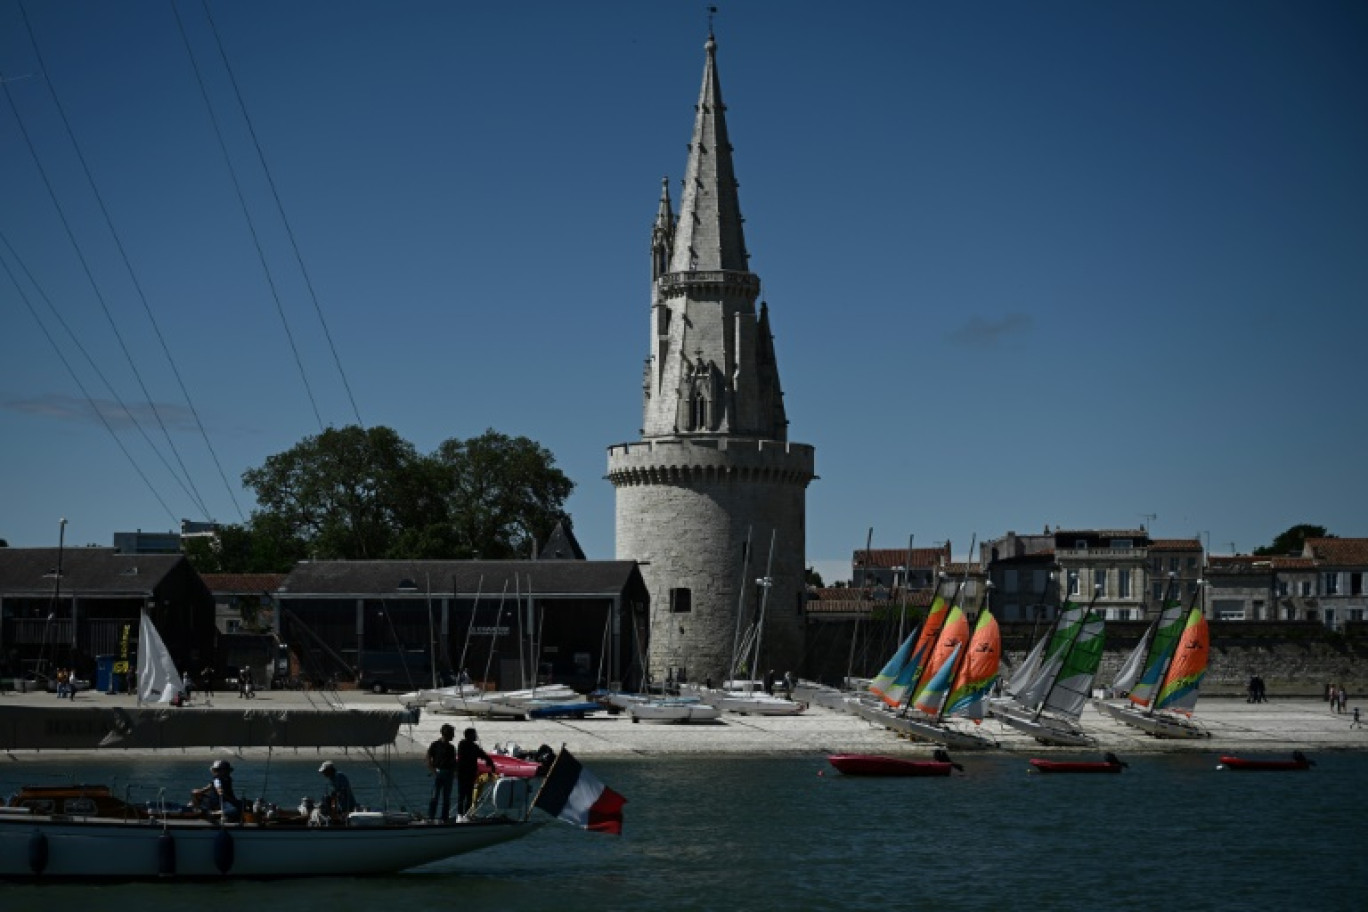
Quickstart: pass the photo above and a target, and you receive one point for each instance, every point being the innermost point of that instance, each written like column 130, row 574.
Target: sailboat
column 962, row 672
column 1048, row 706
column 1165, row 711
column 895, row 683
column 1140, row 673
column 86, row 832
column 746, row 697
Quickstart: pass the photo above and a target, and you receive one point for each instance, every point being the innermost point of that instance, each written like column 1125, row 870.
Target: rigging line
column 132, row 275
column 128, row 412
column 280, row 208
column 77, row 380
column 99, row 296
column 247, row 215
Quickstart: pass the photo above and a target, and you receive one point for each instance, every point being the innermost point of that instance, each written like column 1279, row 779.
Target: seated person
column 339, row 801
column 218, row 795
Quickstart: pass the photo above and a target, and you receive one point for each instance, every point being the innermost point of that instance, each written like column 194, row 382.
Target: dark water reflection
column 792, row 834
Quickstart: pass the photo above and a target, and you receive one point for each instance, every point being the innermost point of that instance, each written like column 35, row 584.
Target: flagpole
column 527, row 815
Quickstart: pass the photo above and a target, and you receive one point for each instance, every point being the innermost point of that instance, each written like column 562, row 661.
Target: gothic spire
column 709, row 236
column 662, row 233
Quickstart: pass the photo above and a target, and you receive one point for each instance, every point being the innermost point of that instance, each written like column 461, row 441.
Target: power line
column 95, row 288
column 137, row 285
column 84, row 392
column 280, row 208
column 247, row 215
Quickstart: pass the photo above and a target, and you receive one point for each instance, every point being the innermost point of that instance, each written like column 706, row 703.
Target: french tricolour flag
column 575, row 795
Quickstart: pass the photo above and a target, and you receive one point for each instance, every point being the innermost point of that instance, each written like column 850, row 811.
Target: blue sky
column 1055, row 262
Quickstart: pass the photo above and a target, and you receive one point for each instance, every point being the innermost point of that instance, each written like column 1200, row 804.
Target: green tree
column 503, row 494
column 346, row 493
column 263, row 546
column 1291, row 541
column 351, row 493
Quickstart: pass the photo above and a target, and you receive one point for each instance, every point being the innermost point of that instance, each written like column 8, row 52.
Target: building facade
column 712, row 500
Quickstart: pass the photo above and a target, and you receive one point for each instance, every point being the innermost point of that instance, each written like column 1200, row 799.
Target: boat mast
column 855, row 636
column 740, row 608
column 765, row 583
column 1083, row 622
column 432, row 635
column 470, row 627
column 907, row 571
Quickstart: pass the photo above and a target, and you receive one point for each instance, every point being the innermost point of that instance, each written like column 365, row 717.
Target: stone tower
column 714, row 469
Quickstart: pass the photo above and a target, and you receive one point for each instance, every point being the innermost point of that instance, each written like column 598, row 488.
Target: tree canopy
column 356, row 493
column 1291, row 541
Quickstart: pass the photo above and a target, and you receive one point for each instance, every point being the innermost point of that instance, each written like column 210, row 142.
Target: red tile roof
column 1338, row 551
column 1176, row 544
column 897, row 557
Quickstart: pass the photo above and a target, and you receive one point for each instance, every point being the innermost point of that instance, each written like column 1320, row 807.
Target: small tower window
column 681, row 600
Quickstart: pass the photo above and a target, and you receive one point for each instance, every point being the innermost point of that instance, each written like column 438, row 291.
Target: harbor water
column 729, row 833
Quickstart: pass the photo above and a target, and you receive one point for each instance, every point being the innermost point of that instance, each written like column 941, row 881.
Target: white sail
column 1022, row 676
column 1130, row 671
column 158, row 679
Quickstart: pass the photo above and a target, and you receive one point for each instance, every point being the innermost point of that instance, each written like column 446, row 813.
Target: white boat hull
column 920, row 730
column 1160, row 724
column 44, row 848
column 759, row 706
column 1046, row 729
column 675, row 712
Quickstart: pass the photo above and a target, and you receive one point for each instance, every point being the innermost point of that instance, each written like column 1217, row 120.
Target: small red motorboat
column 1109, row 763
column 1298, row 761
column 940, row 764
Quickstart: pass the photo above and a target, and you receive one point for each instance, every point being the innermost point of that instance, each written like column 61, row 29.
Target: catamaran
column 962, row 670
column 1166, row 710
column 1048, row 706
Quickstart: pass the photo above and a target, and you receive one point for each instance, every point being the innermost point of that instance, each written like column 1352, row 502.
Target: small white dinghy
column 680, row 711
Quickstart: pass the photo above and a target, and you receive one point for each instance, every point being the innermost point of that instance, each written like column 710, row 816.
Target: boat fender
column 223, row 851
column 166, row 855
column 38, row 852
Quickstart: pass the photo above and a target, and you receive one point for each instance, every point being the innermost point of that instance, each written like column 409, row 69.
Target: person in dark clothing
column 218, row 795
column 441, row 764
column 340, row 801
column 468, row 757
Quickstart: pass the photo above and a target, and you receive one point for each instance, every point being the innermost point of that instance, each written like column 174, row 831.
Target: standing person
column 468, row 757
column 245, row 689
column 1343, row 698
column 207, row 680
column 769, row 682
column 339, row 801
column 441, row 764
column 1332, row 694
column 788, row 685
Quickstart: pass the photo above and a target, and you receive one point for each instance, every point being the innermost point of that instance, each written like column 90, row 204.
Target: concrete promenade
column 1278, row 726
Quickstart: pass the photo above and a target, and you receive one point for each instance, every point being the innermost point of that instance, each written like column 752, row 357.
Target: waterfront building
column 712, row 499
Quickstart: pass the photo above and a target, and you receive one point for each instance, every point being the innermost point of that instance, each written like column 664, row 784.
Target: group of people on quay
column 1337, row 697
